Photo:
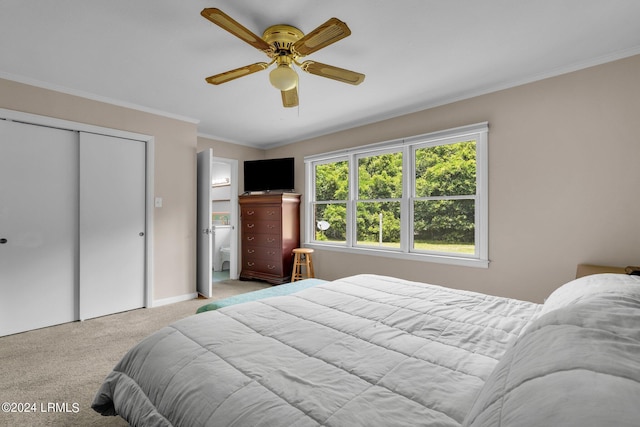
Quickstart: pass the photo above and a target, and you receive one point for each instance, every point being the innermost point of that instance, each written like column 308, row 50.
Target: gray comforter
column 577, row 364
column 365, row 350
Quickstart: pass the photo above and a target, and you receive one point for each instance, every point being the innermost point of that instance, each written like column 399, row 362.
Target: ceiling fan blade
column 290, row 97
column 331, row 72
column 226, row 22
column 327, row 33
column 238, row 72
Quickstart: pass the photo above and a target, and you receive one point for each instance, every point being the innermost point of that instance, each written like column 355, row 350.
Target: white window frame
column 477, row 132
column 310, row 236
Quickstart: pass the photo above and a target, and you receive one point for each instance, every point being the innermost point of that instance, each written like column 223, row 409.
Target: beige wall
column 563, row 178
column 563, row 181
column 232, row 151
column 175, row 148
column 237, row 152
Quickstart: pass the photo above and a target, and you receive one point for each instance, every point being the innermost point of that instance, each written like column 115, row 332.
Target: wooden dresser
column 270, row 225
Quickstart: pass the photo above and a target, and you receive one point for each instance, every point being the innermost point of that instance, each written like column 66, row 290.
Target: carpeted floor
column 55, row 372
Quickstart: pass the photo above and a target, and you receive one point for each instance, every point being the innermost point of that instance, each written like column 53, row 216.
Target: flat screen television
column 269, row 175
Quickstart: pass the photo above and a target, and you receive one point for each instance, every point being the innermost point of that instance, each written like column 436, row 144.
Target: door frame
column 35, row 119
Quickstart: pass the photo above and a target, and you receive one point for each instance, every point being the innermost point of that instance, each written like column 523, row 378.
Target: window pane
column 331, row 222
column 380, row 177
column 372, row 217
column 446, row 170
column 332, row 181
column 444, row 226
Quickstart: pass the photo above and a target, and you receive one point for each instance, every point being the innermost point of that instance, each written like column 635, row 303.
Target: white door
column 112, row 224
column 205, row 263
column 38, row 226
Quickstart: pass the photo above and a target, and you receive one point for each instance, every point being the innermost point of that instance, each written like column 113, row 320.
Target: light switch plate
column 158, row 202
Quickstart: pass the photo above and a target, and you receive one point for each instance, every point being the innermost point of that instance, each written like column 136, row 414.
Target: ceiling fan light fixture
column 283, row 77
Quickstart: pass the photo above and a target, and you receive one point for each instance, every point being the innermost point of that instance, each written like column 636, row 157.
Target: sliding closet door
column 112, row 225
column 38, row 226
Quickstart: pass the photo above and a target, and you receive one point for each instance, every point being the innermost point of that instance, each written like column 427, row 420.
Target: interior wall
column 175, row 173
column 232, row 151
column 563, row 181
column 240, row 153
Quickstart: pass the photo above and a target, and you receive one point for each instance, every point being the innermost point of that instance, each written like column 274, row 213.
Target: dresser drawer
column 257, row 226
column 262, row 266
column 260, row 213
column 261, row 252
column 257, row 239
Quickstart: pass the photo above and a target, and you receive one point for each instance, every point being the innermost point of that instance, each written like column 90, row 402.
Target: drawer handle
column 250, row 212
column 250, row 238
column 271, row 267
column 271, row 253
column 271, row 213
column 271, row 240
column 251, row 264
column 250, row 251
column 250, row 225
column 271, row 226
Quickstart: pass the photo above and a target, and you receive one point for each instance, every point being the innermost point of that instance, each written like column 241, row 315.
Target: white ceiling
column 155, row 55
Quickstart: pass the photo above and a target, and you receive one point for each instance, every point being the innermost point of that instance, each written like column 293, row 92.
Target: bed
column 371, row 350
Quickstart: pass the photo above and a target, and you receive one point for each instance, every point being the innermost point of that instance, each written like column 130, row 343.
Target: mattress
column 364, row 350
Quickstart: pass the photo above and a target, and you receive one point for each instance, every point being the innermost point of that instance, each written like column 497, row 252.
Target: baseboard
column 171, row 300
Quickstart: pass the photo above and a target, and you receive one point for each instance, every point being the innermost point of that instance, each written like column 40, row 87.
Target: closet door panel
column 112, row 225
column 38, row 226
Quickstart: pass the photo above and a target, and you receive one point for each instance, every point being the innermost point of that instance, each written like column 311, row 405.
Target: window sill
column 440, row 259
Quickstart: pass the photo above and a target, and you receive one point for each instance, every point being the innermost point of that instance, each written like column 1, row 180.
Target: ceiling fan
column 284, row 45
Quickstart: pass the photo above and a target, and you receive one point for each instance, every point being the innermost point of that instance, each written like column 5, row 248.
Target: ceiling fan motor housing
column 282, row 37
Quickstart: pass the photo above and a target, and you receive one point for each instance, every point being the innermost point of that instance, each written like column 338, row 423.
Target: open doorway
column 217, row 218
column 224, row 211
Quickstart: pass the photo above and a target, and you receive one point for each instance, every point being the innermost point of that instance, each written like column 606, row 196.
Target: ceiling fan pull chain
column 298, row 99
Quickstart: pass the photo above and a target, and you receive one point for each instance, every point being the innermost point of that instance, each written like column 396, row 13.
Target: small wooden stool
column 302, row 256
